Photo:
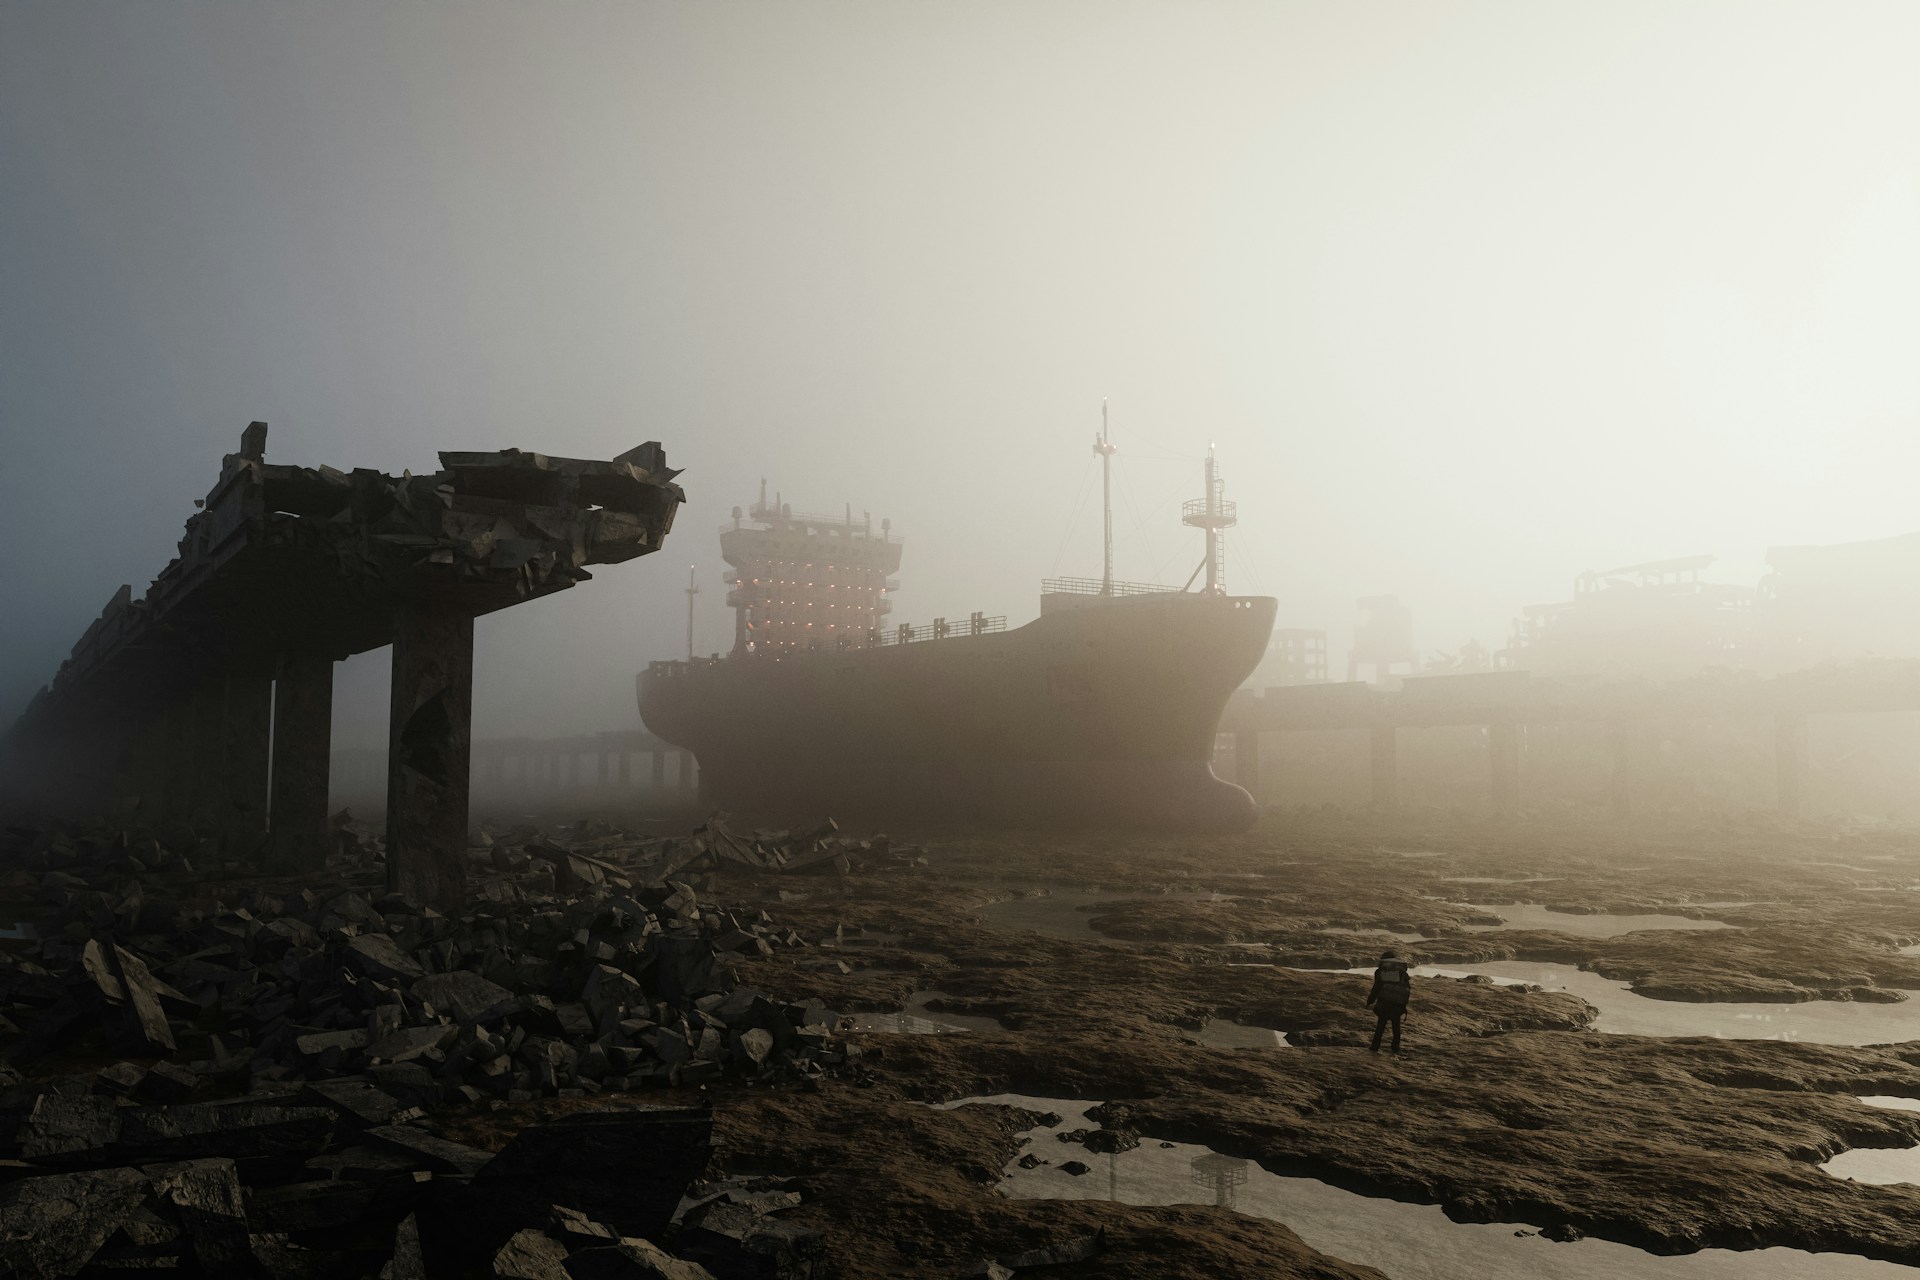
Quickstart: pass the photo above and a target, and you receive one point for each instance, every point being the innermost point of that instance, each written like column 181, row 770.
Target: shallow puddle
column 1531, row 915
column 1624, row 1013
column 1059, row 915
column 1882, row 1165
column 1224, row 1033
column 918, row 1020
column 1406, row 1241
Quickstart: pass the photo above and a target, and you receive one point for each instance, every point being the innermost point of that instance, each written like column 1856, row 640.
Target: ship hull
column 1101, row 715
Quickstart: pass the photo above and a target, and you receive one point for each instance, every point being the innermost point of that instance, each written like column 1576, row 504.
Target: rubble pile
column 820, row 851
column 287, row 1050
column 339, row 1179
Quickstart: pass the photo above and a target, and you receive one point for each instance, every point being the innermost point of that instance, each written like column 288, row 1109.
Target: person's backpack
column 1396, row 984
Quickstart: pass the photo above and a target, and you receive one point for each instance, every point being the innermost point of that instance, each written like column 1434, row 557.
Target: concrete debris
column 1058, row 1253
column 291, row 1047
column 530, row 1255
column 736, row 1240
column 632, row 1260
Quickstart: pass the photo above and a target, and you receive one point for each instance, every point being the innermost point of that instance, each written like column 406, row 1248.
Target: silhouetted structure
column 1657, row 619
column 167, row 701
column 1505, row 703
column 1383, row 640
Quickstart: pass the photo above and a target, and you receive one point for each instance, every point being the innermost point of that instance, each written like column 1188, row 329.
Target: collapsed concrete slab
column 172, row 705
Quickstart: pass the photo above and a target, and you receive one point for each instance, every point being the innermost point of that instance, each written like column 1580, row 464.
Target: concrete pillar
column 429, row 746
column 1503, row 751
column 202, row 785
column 1386, row 766
column 1789, row 760
column 302, row 762
column 1620, row 735
column 1246, row 761
column 603, row 769
column 620, row 768
column 660, row 770
column 686, row 771
column 245, row 748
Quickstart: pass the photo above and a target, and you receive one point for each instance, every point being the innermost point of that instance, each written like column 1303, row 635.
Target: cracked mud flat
column 1507, row 1108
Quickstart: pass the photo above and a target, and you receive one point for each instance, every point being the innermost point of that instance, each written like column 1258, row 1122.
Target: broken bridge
column 173, row 705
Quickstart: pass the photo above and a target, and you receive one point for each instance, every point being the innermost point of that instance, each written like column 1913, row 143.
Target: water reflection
column 1224, row 1033
column 1405, row 1241
column 1222, row 1175
column 918, row 1020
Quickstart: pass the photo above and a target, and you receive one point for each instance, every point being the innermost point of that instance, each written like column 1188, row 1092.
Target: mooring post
column 302, row 762
column 429, row 753
column 1386, row 766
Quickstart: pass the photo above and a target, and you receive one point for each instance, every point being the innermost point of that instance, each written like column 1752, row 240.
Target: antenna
column 1106, row 451
column 693, row 589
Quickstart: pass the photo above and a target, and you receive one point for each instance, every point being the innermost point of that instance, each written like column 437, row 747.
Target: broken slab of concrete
column 53, row 1225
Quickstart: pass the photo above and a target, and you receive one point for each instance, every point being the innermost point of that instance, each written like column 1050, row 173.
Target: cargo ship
column 1102, row 711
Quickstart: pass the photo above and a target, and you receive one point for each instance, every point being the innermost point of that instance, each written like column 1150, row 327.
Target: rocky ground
column 1507, row 1106
column 1504, row 1109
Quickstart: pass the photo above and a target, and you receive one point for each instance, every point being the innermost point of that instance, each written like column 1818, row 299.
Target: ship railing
column 1196, row 511
column 859, row 529
column 977, row 624
column 670, row 667
column 1094, row 587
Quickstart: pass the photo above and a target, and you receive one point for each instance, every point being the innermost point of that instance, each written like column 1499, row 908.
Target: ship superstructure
column 805, row 582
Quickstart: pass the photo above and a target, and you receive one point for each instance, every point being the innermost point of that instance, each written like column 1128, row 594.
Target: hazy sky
column 1471, row 296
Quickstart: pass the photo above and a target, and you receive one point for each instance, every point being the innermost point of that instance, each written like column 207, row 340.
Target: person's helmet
column 1389, row 955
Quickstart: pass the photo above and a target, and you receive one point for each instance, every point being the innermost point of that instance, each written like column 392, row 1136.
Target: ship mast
column 693, row 589
column 1106, row 451
column 1212, row 513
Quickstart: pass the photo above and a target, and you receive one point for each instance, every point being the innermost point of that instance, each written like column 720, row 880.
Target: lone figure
column 1392, row 987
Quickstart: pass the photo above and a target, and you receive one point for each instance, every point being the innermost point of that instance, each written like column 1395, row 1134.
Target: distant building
column 1295, row 655
column 1383, row 639
column 1657, row 619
